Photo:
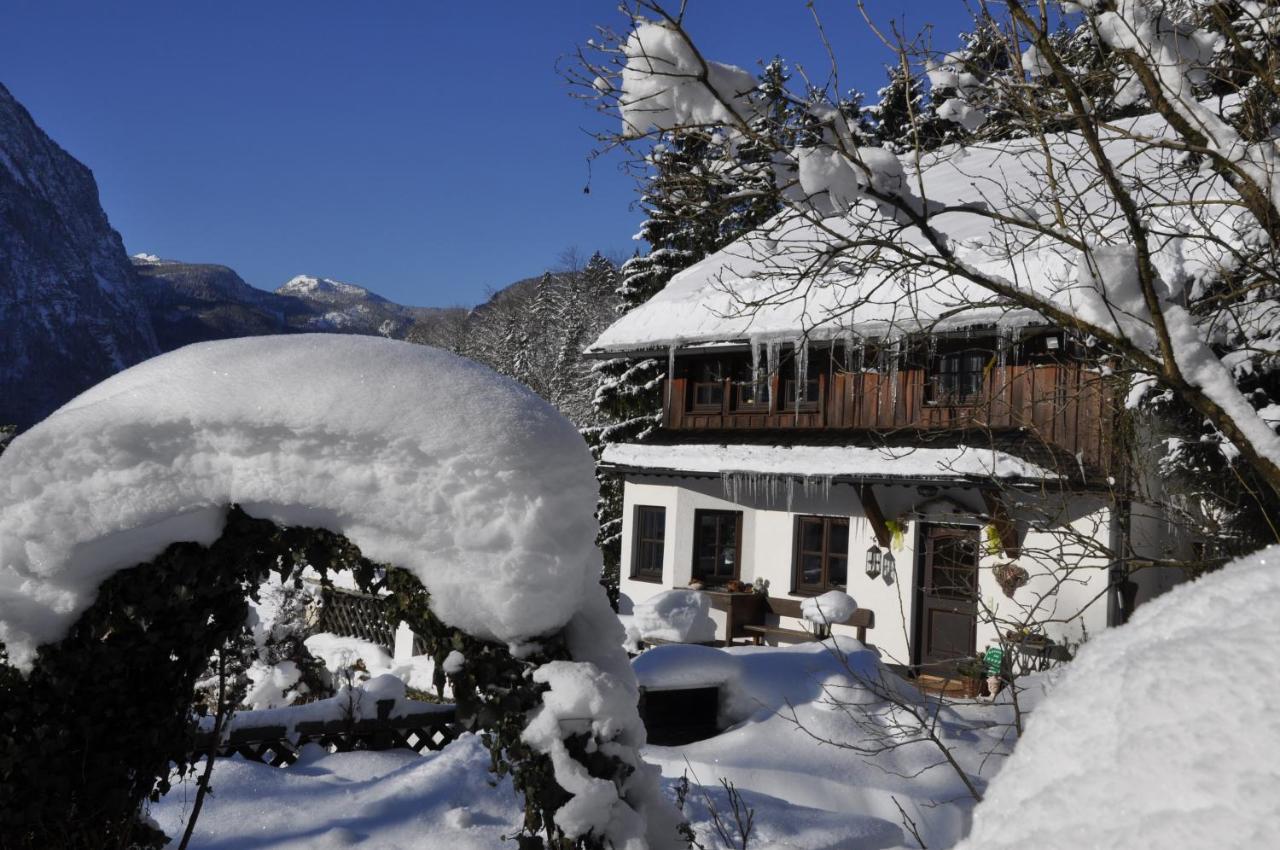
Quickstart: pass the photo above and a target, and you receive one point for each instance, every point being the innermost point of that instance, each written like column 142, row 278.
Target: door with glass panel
column 949, row 596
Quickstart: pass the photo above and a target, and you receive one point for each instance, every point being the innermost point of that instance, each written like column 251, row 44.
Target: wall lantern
column 889, row 565
column 874, row 560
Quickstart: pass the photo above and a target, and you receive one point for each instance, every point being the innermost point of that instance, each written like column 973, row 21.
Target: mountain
column 71, row 312
column 193, row 302
column 348, row 308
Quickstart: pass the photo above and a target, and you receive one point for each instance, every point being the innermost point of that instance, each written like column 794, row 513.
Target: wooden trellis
column 354, row 614
column 428, row 727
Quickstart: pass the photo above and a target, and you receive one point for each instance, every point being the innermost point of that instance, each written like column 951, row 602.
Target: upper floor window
column 707, row 384
column 958, row 374
column 822, row 554
column 802, row 394
column 650, row 542
column 750, row 387
column 717, row 541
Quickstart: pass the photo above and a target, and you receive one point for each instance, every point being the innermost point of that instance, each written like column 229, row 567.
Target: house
column 956, row 464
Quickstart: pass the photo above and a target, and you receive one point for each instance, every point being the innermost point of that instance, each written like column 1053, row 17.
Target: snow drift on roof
column 1162, row 732
column 825, row 461
column 795, row 284
column 423, row 459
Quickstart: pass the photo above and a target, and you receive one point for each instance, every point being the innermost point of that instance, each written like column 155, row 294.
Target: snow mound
column 388, row 799
column 833, row 606
column 675, row 615
column 1162, row 732
column 686, row 666
column 423, row 459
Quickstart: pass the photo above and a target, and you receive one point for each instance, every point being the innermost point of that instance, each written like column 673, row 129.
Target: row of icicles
column 888, row 355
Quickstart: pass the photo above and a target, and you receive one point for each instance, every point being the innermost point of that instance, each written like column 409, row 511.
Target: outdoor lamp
column 889, row 565
column 874, row 561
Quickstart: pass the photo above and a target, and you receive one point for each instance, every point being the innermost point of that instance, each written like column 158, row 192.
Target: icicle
column 802, row 368
column 1003, row 340
column 671, row 361
column 771, row 359
column 755, row 371
column 791, row 491
column 894, row 357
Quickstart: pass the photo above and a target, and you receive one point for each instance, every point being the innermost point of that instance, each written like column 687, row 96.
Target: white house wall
column 768, row 530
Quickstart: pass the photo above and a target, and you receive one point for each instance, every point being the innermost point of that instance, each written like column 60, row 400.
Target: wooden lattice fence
column 426, row 727
column 354, row 614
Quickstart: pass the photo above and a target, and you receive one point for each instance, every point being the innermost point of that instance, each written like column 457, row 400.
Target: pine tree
column 897, row 117
column 686, row 213
column 981, row 70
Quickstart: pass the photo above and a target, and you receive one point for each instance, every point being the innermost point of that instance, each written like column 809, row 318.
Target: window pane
column 839, row 544
column 811, row 535
column 811, row 570
column 708, row 394
column 837, row 571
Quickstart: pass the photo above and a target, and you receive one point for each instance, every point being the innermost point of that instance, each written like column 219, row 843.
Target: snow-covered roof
column 824, row 462
column 782, row 281
column 423, row 459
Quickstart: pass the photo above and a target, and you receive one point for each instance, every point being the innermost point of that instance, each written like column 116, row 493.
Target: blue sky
column 427, row 150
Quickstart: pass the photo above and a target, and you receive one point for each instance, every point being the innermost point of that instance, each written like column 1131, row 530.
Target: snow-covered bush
column 269, row 663
column 1160, row 732
column 338, row 451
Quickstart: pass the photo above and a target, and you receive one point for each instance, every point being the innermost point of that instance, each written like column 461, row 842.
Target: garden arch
column 422, row 460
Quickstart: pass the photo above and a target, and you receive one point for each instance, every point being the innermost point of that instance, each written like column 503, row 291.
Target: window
column 958, row 375
column 816, row 361
column 822, row 553
column 649, row 534
column 749, row 389
column 708, row 384
column 717, row 537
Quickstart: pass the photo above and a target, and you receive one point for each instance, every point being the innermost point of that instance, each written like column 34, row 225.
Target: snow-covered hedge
column 421, row 459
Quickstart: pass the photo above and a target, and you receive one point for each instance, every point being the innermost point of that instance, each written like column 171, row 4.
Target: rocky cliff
column 71, row 312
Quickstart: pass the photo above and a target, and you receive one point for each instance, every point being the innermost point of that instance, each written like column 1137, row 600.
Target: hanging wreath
column 1010, row 577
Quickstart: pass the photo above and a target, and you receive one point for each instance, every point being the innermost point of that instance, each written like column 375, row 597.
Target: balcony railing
column 1069, row 406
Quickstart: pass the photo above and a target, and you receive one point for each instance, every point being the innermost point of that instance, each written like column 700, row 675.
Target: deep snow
column 1161, row 733
column 423, row 459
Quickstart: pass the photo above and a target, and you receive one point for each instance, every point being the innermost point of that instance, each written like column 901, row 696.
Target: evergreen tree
column 897, row 117
column 699, row 194
column 973, row 78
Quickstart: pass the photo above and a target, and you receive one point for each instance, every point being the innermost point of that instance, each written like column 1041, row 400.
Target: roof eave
column 914, row 480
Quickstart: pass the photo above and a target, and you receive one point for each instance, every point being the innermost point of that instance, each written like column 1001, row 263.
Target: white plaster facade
column 1067, row 591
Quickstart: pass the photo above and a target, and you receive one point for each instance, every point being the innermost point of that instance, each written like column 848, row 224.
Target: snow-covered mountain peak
column 318, row 287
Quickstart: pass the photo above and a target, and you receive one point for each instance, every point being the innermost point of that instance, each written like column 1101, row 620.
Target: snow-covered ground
column 1154, row 736
column 393, row 799
column 805, row 794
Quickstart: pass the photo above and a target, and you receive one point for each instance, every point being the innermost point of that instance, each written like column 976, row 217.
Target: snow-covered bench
column 861, row 619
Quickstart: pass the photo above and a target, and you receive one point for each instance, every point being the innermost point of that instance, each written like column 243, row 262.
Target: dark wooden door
column 949, row 596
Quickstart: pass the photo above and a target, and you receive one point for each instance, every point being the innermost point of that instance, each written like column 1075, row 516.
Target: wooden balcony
column 1067, row 406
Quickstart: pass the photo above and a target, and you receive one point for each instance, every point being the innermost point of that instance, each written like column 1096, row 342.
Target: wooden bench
column 861, row 619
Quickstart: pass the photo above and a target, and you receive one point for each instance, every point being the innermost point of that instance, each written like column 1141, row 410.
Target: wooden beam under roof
column 1002, row 520
column 875, row 516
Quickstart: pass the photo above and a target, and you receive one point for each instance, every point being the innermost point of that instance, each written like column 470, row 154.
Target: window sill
column 809, row 592
column 647, row 579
